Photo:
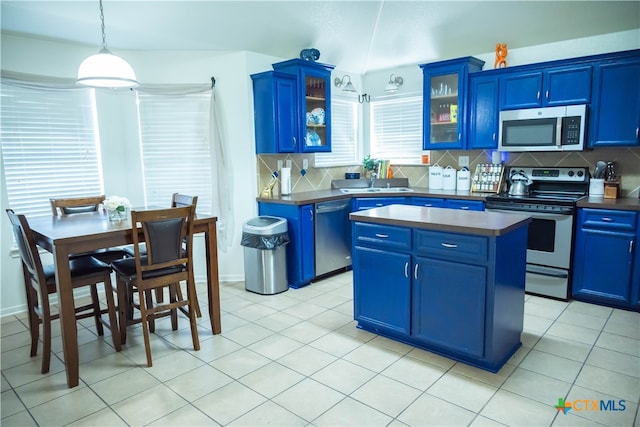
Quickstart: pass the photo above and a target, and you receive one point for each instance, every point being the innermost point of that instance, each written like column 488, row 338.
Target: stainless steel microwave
column 543, row 129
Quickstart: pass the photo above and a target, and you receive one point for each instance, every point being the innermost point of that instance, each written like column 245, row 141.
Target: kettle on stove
column 519, row 183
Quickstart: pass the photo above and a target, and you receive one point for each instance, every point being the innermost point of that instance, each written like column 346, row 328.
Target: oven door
column 549, row 241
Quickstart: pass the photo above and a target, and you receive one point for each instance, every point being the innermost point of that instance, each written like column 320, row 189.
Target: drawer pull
column 415, row 272
column 382, row 236
column 449, row 245
column 464, row 208
column 379, row 204
column 406, row 269
column 607, row 219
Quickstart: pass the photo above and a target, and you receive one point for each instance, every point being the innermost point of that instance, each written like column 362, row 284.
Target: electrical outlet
column 463, row 161
column 305, row 163
column 288, row 163
column 279, row 165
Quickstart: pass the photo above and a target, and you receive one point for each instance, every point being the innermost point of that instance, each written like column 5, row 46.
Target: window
column 345, row 149
column 176, row 155
column 50, row 145
column 396, row 130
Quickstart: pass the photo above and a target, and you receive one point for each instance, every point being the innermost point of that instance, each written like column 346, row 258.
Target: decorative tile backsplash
column 627, row 164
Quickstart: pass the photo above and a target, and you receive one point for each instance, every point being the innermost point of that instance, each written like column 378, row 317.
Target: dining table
column 90, row 231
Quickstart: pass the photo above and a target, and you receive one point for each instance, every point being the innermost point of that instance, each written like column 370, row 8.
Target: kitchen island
column 449, row 281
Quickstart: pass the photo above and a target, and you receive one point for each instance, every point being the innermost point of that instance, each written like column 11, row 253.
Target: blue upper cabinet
column 275, row 112
column 549, row 87
column 483, row 112
column 445, row 102
column 615, row 112
column 313, row 103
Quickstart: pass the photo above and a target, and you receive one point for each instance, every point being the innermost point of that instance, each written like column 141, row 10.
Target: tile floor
column 297, row 358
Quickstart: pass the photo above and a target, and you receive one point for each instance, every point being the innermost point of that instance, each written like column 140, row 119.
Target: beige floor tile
column 535, row 324
column 304, row 310
column 331, row 320
column 248, row 334
column 305, row 332
column 480, row 421
column 337, row 343
column 573, row 333
column 45, row 389
column 275, row 346
column 373, row 357
column 307, row 360
column 103, row 418
column 267, row 414
column 10, row 404
column 432, row 358
column 229, row 402
column 308, row 399
column 343, row 376
column 66, row 409
column 612, row 383
column 254, row 312
column 278, row 321
column 151, row 405
column 571, row 420
column 174, row 365
column 564, row 348
column 30, row 371
column 615, row 361
column 580, row 318
column 495, row 379
column 536, row 386
column 614, row 342
column 329, row 300
column 185, row 416
column 429, row 410
column 414, row 372
column 546, row 311
column 21, row 419
column 386, row 395
column 610, row 418
column 214, row 348
column 240, row 363
column 512, row 409
column 624, row 323
column 272, row 379
column 553, row 366
column 462, row 391
column 350, row 412
column 589, row 309
column 198, row 382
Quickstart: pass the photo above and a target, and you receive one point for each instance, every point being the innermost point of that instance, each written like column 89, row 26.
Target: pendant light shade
column 104, row 69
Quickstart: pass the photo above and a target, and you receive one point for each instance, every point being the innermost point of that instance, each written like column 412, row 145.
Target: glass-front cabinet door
column 314, row 103
column 445, row 107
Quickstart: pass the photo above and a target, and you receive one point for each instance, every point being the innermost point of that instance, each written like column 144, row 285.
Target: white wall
column 121, row 154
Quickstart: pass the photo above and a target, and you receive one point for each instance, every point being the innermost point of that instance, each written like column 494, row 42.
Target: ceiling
column 358, row 36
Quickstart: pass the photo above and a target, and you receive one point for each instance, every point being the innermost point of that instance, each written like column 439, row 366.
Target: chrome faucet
column 373, row 178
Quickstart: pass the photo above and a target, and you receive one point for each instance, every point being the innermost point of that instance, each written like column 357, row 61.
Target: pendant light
column 104, row 69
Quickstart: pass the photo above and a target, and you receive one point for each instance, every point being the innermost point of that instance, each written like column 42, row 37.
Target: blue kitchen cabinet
column 275, row 113
column 428, row 202
column 484, row 112
column 604, row 261
column 382, row 297
column 615, row 113
column 466, row 205
column 361, row 203
column 445, row 102
column 313, row 103
column 301, row 248
column 531, row 88
column 635, row 272
column 439, row 286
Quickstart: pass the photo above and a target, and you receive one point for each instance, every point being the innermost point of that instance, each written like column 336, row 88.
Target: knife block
column 611, row 189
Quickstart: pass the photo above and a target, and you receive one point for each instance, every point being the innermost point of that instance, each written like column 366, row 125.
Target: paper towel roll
column 285, row 181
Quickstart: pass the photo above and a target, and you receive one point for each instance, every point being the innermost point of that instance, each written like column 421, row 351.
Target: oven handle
column 541, row 271
column 536, row 214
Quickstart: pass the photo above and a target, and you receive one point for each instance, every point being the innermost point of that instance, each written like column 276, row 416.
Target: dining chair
column 76, row 205
column 167, row 262
column 177, row 200
column 40, row 283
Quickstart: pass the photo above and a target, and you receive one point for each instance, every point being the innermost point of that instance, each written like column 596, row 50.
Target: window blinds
column 176, row 155
column 344, row 135
column 50, row 146
column 396, row 129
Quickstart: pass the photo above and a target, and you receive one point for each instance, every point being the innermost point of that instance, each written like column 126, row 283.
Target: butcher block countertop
column 440, row 219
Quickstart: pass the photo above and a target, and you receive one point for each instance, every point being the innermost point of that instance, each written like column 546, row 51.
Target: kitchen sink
column 376, row 190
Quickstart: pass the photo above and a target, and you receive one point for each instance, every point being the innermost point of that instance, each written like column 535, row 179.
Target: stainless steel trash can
column 264, row 239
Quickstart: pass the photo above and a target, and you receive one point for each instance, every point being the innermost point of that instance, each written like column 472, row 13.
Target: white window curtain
column 50, row 142
column 345, row 149
column 396, row 129
column 183, row 150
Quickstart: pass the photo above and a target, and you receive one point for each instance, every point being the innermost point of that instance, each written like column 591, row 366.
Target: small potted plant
column 369, row 164
column 116, row 207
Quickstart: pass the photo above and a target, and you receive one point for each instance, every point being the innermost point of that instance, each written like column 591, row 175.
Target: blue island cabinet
column 460, row 295
column 300, row 250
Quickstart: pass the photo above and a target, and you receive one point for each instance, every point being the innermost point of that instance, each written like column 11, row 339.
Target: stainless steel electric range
column 551, row 201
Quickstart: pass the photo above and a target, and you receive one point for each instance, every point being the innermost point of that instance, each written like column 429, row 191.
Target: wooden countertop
column 440, row 219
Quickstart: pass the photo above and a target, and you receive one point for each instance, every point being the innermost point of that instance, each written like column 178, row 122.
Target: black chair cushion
column 130, row 251
column 79, row 267
column 127, row 267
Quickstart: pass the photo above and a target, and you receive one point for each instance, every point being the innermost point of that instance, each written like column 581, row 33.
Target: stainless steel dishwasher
column 333, row 236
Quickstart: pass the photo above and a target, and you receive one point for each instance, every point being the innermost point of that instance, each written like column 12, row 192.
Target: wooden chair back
column 72, row 205
column 180, row 200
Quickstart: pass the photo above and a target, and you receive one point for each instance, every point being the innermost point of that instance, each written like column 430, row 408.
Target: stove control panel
column 554, row 174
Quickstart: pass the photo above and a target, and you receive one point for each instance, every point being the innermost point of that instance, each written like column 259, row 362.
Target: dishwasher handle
column 331, row 207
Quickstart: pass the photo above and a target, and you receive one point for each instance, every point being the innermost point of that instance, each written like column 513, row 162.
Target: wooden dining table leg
column 67, row 315
column 212, row 277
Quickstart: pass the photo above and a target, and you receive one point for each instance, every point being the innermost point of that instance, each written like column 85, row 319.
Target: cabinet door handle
column 637, row 133
column 607, row 219
column 459, row 137
column 449, row 245
column 493, row 137
column 294, row 141
column 415, row 272
column 630, row 246
column 538, row 96
column 406, row 269
column 547, row 94
column 311, row 215
column 382, row 236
